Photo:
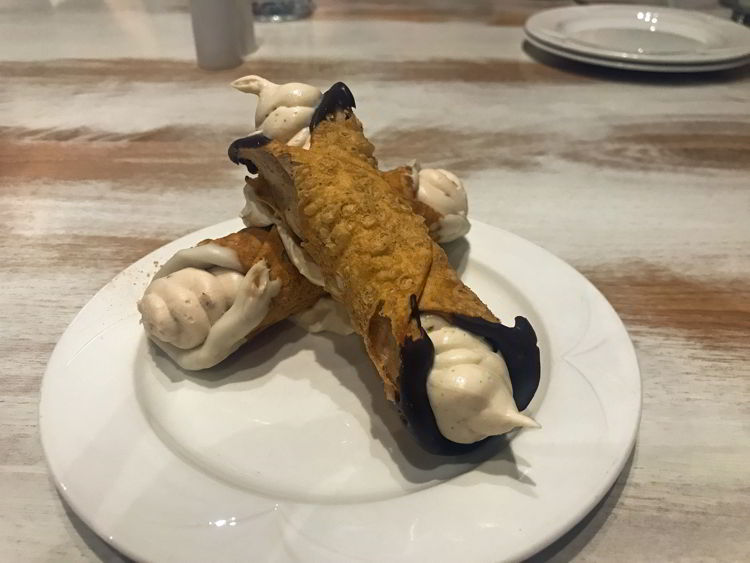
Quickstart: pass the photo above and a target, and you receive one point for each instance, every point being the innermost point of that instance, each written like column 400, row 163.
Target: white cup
column 224, row 32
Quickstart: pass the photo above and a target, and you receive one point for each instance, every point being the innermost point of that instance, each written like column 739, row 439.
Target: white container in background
column 224, row 32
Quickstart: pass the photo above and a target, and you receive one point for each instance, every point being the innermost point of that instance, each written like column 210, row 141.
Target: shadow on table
column 570, row 544
column 635, row 76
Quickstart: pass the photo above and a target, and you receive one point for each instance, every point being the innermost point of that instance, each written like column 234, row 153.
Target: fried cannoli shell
column 374, row 251
column 297, row 294
column 377, row 259
column 401, row 179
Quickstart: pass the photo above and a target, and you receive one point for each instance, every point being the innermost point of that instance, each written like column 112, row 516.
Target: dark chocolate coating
column 252, row 142
column 337, row 97
column 517, row 346
column 417, row 357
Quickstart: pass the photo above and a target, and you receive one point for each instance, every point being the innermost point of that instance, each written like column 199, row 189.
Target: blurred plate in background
column 641, row 38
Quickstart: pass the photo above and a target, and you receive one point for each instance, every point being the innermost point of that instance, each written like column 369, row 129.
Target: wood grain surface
column 112, row 142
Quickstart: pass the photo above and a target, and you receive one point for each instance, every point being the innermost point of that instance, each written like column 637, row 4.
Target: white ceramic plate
column 289, row 451
column 635, row 65
column 641, row 34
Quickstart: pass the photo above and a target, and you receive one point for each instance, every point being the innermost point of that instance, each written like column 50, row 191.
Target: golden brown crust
column 444, row 293
column 247, row 244
column 297, row 294
column 346, row 141
column 373, row 250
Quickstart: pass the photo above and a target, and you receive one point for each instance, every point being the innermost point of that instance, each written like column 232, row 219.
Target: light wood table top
column 112, row 143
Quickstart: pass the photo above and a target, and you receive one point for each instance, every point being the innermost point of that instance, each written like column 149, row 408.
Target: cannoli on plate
column 187, row 334
column 284, row 112
column 205, row 302
column 456, row 372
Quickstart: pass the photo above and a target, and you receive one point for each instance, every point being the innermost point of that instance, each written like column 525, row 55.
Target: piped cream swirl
column 469, row 387
column 444, row 192
column 198, row 311
column 180, row 308
column 284, row 110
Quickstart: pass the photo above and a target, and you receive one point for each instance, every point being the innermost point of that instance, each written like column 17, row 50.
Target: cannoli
column 206, row 301
column 284, row 112
column 457, row 374
column 184, row 328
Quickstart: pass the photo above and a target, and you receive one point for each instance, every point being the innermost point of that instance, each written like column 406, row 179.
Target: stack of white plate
column 645, row 38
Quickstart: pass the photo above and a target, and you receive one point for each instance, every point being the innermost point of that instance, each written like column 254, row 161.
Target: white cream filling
column 283, row 113
column 200, row 313
column 469, row 388
column 255, row 213
column 285, row 124
column 449, row 228
column 258, row 214
column 326, row 315
column 301, row 139
column 444, row 192
column 180, row 308
column 300, row 258
column 284, row 110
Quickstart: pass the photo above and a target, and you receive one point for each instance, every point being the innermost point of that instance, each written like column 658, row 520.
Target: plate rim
column 627, row 64
column 538, row 27
column 562, row 527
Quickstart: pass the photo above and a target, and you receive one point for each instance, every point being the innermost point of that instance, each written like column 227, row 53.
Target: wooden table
column 112, row 143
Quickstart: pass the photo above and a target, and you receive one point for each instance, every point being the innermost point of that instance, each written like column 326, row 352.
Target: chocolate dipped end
column 251, row 142
column 417, row 357
column 518, row 347
column 337, row 97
